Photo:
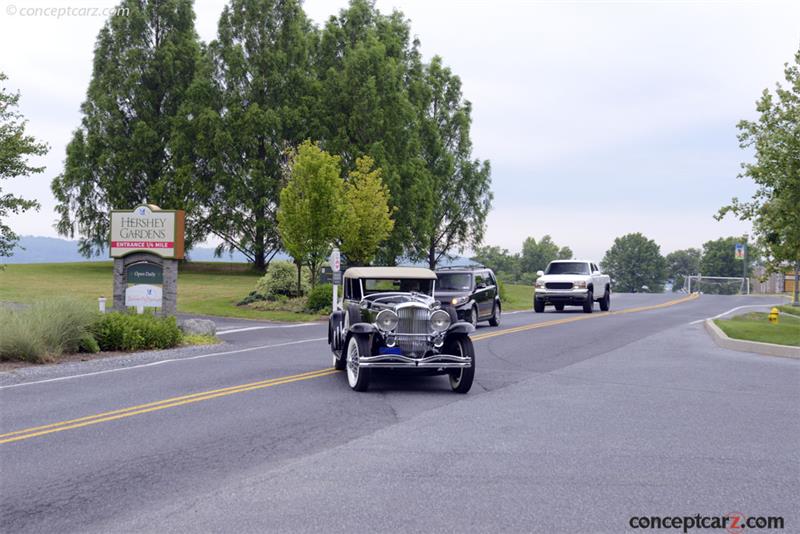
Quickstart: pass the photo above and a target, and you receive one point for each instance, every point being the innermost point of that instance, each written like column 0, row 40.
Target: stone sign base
column 169, row 303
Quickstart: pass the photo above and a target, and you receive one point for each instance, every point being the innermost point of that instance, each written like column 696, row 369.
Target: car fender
column 362, row 328
column 461, row 327
column 335, row 324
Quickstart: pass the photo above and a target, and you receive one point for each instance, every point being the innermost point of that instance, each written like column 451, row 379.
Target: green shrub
column 281, row 279
column 319, row 298
column 122, row 331
column 502, row 290
column 281, row 303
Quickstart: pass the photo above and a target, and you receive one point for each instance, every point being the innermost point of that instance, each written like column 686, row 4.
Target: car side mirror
column 539, row 273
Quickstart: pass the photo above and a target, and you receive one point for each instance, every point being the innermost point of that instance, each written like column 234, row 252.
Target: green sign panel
column 145, row 273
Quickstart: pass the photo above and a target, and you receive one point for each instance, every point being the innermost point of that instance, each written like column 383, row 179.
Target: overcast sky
column 599, row 118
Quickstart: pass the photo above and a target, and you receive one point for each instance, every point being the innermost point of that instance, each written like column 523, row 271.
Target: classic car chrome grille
column 558, row 285
column 413, row 320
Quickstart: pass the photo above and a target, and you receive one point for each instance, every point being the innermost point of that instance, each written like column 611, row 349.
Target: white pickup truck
column 573, row 283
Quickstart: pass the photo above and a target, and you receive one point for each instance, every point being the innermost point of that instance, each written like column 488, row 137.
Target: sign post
column 146, row 244
column 336, row 264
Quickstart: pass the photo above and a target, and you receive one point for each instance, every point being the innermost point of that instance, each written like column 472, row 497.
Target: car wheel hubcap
column 352, row 362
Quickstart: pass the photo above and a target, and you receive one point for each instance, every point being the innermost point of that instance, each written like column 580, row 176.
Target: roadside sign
column 337, row 278
column 145, row 273
column 739, row 252
column 335, row 260
column 143, row 296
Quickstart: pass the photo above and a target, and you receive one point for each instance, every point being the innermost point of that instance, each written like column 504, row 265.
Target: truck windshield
column 454, row 281
column 567, row 267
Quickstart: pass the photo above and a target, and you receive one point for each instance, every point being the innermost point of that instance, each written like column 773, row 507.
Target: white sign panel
column 335, row 260
column 147, row 229
column 143, row 296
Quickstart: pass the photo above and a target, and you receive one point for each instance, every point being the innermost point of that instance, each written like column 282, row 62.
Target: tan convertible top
column 415, row 273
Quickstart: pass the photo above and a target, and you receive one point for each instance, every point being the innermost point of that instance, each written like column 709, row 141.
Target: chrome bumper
column 436, row 361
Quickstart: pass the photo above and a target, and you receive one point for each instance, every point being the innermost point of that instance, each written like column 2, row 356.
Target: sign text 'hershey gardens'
column 147, row 229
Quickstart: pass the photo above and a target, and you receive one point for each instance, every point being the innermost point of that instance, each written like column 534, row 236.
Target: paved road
column 575, row 423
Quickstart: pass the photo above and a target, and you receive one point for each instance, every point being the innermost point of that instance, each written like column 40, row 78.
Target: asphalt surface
column 575, row 423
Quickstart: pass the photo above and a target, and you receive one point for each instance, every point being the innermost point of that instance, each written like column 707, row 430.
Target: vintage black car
column 472, row 291
column 388, row 318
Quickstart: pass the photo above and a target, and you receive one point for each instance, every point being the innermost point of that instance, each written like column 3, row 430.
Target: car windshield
column 567, row 267
column 380, row 285
column 454, row 281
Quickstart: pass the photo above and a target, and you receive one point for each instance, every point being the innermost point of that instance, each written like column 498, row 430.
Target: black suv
column 472, row 292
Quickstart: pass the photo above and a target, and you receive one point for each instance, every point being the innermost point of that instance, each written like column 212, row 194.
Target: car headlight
column 579, row 285
column 540, row 284
column 386, row 320
column 458, row 301
column 440, row 320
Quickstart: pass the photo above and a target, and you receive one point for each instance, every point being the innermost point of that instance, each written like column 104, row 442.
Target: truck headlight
column 579, row 285
column 386, row 320
column 540, row 284
column 440, row 320
column 458, row 301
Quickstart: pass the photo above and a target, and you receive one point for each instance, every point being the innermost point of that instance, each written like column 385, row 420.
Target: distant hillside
column 35, row 249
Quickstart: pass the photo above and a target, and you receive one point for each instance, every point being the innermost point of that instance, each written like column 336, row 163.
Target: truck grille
column 558, row 285
column 413, row 320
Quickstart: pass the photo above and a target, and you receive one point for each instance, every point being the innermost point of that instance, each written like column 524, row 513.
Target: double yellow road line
column 582, row 317
column 172, row 402
column 27, row 433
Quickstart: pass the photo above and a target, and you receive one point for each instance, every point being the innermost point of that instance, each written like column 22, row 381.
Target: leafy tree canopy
column 634, row 261
column 15, row 149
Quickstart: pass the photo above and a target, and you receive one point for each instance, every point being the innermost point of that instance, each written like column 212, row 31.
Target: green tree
column 309, row 217
column 564, row 253
column 364, row 64
column 500, row 260
column 253, row 103
column 680, row 263
column 719, row 258
column 775, row 207
column 15, row 148
column 460, row 185
column 119, row 157
column 634, row 261
column 535, row 256
column 367, row 219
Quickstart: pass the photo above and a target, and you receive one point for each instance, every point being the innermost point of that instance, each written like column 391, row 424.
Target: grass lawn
column 518, row 297
column 198, row 292
column 788, row 308
column 756, row 327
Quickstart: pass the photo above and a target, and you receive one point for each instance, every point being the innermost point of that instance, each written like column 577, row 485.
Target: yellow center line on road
column 158, row 405
column 584, row 317
column 27, row 433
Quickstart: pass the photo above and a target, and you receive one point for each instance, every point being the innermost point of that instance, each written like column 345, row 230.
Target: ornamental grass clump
column 46, row 329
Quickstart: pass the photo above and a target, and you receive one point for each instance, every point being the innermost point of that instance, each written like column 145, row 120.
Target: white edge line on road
column 735, row 309
column 151, row 364
column 248, row 328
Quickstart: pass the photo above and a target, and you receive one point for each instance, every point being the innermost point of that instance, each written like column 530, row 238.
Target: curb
column 767, row 349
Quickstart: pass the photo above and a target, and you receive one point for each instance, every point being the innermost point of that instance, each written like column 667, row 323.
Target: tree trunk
column 796, row 300
column 313, row 280
column 432, row 257
column 259, row 254
column 299, row 274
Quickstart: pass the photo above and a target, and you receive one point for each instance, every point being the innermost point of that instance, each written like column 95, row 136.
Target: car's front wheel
column 357, row 376
column 538, row 305
column 461, row 379
column 588, row 304
column 472, row 316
